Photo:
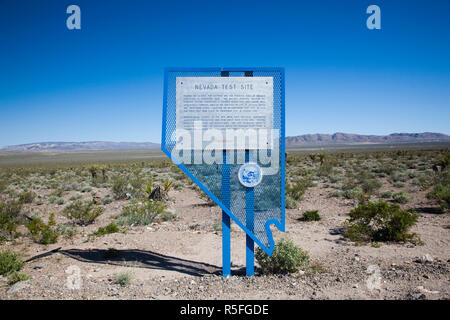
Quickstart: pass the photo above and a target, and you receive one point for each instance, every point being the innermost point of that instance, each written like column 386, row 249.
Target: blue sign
column 224, row 127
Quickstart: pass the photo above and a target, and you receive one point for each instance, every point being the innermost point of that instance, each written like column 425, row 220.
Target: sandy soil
column 182, row 259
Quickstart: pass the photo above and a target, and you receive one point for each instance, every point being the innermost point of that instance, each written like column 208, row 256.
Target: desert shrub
column 401, row 176
column 107, row 200
column 444, row 161
column 316, row 267
column 16, row 276
column 56, row 199
column 66, row 230
column 369, row 186
column 126, row 187
column 297, row 190
column 336, row 178
column 398, row 184
column 380, row 221
column 286, row 258
column 3, row 185
column 149, row 187
column 168, row 215
column 27, row 197
column 52, row 199
column 141, row 212
column 384, row 168
column 424, row 181
column 327, row 164
column 386, row 194
column 337, row 193
column 290, row 203
column 401, row 197
column 167, row 185
column 9, row 262
column 57, row 193
column 412, row 174
column 123, row 278
column 75, row 197
column 86, row 189
column 110, row 228
column 42, row 233
column 135, row 186
column 354, row 193
column 381, row 174
column 349, row 182
column 179, row 185
column 9, row 219
column 311, row 215
column 441, row 193
column 70, row 186
column 83, row 213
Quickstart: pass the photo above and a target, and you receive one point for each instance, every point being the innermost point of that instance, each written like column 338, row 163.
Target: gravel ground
column 182, row 259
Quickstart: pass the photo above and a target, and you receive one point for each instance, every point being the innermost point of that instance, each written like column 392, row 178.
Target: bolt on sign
column 224, row 127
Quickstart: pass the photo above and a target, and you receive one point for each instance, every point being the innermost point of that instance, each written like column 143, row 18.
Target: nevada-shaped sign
column 224, row 127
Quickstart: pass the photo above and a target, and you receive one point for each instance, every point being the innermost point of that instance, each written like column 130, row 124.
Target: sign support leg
column 226, row 235
column 250, row 217
column 226, row 252
column 250, row 250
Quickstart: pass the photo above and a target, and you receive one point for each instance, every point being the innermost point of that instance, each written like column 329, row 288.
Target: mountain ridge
column 340, row 138
column 305, row 140
column 84, row 145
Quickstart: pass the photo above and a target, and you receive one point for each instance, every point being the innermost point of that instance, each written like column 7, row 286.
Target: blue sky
column 105, row 81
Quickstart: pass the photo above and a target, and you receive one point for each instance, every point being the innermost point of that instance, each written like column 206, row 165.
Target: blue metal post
column 250, row 217
column 226, row 235
column 226, row 238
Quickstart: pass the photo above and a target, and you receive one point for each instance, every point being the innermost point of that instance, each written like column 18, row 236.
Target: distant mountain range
column 305, row 140
column 90, row 145
column 339, row 138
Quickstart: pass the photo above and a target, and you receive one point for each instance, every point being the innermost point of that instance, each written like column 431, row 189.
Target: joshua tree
column 93, row 171
column 321, row 158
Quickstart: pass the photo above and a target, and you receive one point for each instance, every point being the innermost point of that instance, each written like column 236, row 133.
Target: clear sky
column 105, row 81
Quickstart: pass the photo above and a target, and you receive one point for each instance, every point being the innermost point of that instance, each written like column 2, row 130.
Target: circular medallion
column 250, row 175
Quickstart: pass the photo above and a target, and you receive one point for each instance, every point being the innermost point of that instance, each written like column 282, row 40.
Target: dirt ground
column 182, row 259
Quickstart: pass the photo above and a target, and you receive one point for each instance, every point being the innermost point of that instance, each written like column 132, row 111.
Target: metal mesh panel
column 220, row 181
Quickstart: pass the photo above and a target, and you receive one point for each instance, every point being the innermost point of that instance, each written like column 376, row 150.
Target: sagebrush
column 380, row 221
column 286, row 258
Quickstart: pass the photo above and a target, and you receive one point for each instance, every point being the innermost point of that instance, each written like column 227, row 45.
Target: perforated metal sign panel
column 224, row 127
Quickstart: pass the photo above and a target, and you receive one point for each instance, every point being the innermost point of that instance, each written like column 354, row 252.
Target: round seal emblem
column 250, row 175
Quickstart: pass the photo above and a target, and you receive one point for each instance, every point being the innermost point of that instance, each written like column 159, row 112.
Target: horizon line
column 158, row 143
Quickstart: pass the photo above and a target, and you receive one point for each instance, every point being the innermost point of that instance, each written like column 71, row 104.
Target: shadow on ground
column 142, row 259
column 429, row 210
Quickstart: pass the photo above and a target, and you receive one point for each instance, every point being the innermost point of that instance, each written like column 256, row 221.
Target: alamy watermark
column 206, row 146
column 73, row 22
column 74, row 281
column 374, row 20
column 373, row 282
